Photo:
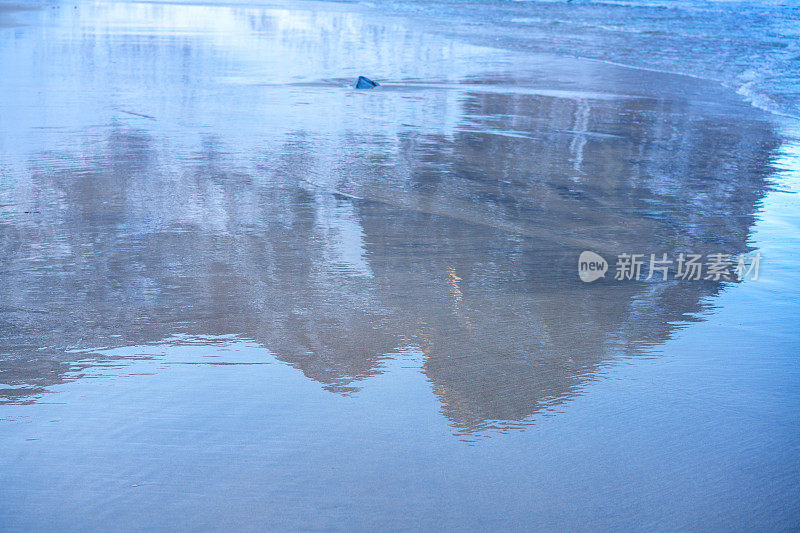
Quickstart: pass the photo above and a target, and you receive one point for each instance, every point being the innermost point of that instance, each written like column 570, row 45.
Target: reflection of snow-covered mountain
column 206, row 170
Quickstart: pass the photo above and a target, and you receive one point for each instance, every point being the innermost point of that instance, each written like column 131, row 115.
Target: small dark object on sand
column 365, row 83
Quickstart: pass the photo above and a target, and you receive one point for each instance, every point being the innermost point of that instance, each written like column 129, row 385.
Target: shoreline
column 744, row 88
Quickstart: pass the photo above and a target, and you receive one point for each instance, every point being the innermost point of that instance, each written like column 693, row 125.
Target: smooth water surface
column 236, row 292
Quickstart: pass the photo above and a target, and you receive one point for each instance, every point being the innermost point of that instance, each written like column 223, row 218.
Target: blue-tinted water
column 236, row 293
column 752, row 47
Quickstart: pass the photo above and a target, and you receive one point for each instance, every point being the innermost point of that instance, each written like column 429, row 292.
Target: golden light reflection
column 459, row 309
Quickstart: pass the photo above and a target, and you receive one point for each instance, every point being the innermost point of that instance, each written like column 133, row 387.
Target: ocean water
column 752, row 47
column 237, row 293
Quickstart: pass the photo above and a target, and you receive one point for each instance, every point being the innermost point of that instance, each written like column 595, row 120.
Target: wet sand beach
column 237, row 293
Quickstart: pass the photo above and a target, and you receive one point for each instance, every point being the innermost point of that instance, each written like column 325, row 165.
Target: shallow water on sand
column 236, row 292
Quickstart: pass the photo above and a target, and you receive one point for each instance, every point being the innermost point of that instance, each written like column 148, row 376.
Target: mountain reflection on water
column 186, row 188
